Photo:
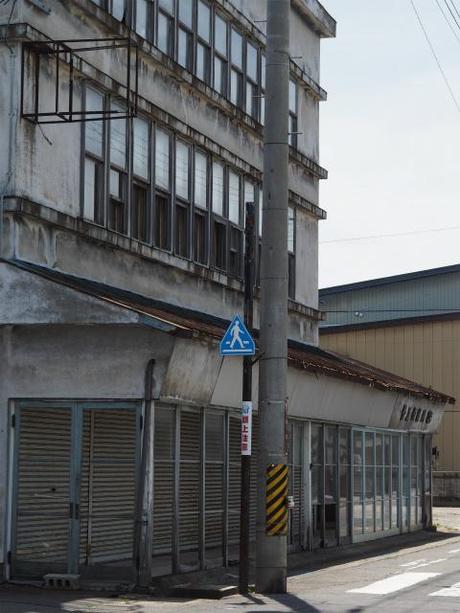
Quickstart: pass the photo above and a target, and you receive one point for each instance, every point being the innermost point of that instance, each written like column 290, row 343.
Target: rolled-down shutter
column 163, row 493
column 43, row 480
column 108, row 486
column 189, row 482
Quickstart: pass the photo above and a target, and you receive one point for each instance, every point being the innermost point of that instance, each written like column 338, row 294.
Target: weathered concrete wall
column 306, row 259
column 85, row 362
column 47, row 163
column 70, row 252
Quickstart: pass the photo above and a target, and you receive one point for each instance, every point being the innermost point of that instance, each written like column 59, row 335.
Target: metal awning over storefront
column 187, row 323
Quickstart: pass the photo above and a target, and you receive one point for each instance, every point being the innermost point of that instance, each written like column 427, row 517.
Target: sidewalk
column 24, row 599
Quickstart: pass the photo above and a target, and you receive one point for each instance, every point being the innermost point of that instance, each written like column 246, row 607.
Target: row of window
column 200, row 39
column 143, row 181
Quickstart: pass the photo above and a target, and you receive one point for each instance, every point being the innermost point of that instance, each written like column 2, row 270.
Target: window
column 236, row 73
column 292, row 113
column 236, row 232
column 185, row 34
column 234, row 197
column 220, row 245
column 182, row 199
column 118, row 9
column 145, row 18
column 162, row 212
column 262, row 91
column 141, row 180
column 165, row 33
column 218, row 188
column 94, row 159
column 118, row 171
column 203, row 47
column 252, row 80
column 291, row 253
column 221, row 55
column 200, row 238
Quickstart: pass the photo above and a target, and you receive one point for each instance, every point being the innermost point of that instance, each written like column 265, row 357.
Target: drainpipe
column 144, row 518
column 11, row 152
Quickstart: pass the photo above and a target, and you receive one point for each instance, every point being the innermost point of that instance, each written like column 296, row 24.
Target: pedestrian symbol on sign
column 237, row 340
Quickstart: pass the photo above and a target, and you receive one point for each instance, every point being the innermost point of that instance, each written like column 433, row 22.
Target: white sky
column 390, row 138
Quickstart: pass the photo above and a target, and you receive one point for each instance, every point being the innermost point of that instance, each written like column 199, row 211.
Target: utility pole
column 272, row 512
column 246, row 413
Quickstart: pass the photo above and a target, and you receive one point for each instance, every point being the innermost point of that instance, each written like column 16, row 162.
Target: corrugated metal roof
column 186, row 321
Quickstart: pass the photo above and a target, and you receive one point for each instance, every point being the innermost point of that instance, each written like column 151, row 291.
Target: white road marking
column 453, row 591
column 429, row 563
column 393, row 584
column 414, row 563
column 454, row 551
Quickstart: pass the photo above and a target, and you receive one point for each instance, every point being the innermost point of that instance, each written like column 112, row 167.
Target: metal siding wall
column 428, row 353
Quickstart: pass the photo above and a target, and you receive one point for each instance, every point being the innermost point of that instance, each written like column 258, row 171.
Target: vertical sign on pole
column 246, row 428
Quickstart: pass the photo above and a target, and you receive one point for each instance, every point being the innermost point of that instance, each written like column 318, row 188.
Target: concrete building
column 131, row 138
column 408, row 324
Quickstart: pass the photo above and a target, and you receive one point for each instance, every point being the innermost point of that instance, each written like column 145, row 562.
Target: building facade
column 132, row 139
column 408, row 324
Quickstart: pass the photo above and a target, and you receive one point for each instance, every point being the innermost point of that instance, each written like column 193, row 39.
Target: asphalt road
column 422, row 578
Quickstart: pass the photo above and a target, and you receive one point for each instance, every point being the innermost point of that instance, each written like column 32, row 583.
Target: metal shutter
column 42, row 528
column 108, row 485
column 234, row 477
column 189, row 481
column 163, row 497
column 214, row 480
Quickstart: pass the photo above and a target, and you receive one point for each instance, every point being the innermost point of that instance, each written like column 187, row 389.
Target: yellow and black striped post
column 276, row 514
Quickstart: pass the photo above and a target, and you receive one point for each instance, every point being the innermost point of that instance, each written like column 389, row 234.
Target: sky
column 390, row 139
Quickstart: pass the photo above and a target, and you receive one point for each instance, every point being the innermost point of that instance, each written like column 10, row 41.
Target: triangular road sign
column 237, row 340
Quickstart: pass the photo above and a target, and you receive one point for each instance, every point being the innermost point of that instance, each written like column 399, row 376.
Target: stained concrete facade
column 58, row 344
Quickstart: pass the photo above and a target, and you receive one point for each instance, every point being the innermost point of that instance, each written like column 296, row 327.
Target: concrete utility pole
column 272, row 512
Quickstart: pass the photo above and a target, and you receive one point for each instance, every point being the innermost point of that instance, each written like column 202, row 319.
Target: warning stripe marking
column 276, row 513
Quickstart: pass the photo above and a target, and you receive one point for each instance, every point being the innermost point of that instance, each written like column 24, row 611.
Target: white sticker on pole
column 246, row 428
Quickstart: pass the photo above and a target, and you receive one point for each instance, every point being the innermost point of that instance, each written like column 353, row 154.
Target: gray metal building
column 131, row 140
column 409, row 324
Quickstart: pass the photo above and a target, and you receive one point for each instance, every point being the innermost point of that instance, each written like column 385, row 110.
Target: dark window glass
column 162, row 211
column 235, row 251
column 219, row 245
column 182, row 230
column 116, row 216
column 291, row 280
column 199, row 242
column 140, row 213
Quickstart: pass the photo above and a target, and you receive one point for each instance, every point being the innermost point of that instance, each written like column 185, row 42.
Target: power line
column 455, row 7
column 393, row 235
column 446, row 80
column 448, row 21
column 451, row 12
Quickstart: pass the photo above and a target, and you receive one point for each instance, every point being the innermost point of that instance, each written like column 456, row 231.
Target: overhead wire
column 447, row 20
column 452, row 13
column 428, row 40
column 392, row 235
column 455, row 8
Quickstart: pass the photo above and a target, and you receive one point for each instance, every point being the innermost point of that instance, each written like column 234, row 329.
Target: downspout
column 144, row 511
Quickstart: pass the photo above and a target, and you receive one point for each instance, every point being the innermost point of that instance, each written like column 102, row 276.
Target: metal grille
column 189, row 480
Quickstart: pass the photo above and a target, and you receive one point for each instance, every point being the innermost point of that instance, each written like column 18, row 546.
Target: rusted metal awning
column 187, row 322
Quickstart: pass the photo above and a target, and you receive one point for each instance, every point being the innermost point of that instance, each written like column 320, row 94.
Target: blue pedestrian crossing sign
column 237, row 340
